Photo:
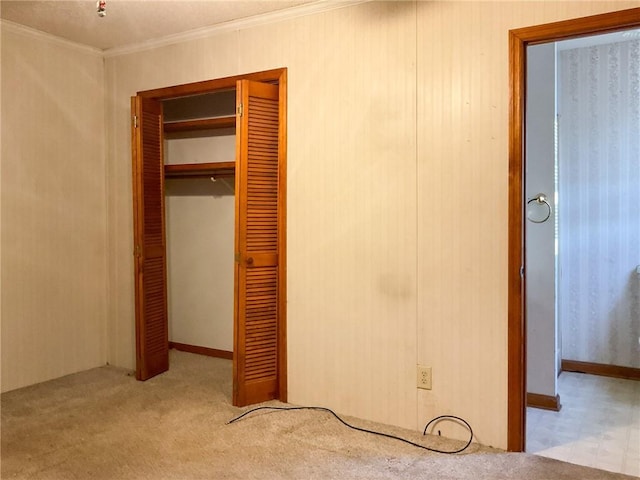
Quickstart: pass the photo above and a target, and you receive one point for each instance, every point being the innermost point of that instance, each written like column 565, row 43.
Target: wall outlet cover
column 424, row 377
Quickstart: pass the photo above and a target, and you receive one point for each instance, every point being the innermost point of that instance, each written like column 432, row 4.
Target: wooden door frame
column 276, row 76
column 519, row 39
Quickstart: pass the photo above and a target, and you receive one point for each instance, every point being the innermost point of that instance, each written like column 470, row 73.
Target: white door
column 540, row 270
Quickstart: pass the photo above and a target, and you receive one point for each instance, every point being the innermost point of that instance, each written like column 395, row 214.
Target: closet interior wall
column 200, row 220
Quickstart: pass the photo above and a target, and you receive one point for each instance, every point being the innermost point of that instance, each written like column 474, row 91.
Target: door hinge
column 135, row 121
column 136, row 251
column 240, row 109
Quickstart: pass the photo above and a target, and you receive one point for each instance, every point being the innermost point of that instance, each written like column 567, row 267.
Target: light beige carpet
column 103, row 424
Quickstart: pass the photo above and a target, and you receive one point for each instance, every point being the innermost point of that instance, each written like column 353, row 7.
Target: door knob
column 249, row 260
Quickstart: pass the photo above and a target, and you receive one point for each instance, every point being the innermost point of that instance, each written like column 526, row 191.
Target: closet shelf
column 202, row 124
column 200, row 170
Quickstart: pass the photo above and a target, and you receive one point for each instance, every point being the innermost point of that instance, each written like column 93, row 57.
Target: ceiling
column 131, row 22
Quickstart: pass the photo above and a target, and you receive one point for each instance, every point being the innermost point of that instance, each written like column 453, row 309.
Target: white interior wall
column 200, row 229
column 54, row 209
column 204, row 149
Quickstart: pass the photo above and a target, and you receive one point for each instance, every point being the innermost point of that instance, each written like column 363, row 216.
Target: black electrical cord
column 381, row 434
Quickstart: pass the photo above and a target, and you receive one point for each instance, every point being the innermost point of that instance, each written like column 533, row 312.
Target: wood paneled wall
column 54, row 217
column 463, row 96
column 397, row 194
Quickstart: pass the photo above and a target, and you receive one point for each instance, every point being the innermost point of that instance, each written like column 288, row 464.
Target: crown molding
column 234, row 25
column 33, row 33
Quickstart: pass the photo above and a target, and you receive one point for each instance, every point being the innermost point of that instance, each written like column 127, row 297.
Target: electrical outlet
column 424, row 377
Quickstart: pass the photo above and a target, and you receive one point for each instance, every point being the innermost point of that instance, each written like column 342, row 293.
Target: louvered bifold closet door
column 257, row 196
column 152, row 349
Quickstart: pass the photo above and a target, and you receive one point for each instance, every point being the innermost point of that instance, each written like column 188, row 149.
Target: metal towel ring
column 540, row 199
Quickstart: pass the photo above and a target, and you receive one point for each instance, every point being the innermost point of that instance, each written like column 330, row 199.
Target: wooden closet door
column 152, row 349
column 257, row 327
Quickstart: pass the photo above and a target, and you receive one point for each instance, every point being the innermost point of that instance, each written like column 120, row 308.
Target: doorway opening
column 519, row 40
column 245, row 115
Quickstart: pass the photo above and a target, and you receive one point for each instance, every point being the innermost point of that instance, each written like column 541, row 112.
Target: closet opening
column 199, row 170
column 209, row 197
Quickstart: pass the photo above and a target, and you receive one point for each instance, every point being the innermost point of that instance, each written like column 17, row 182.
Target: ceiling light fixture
column 102, row 8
